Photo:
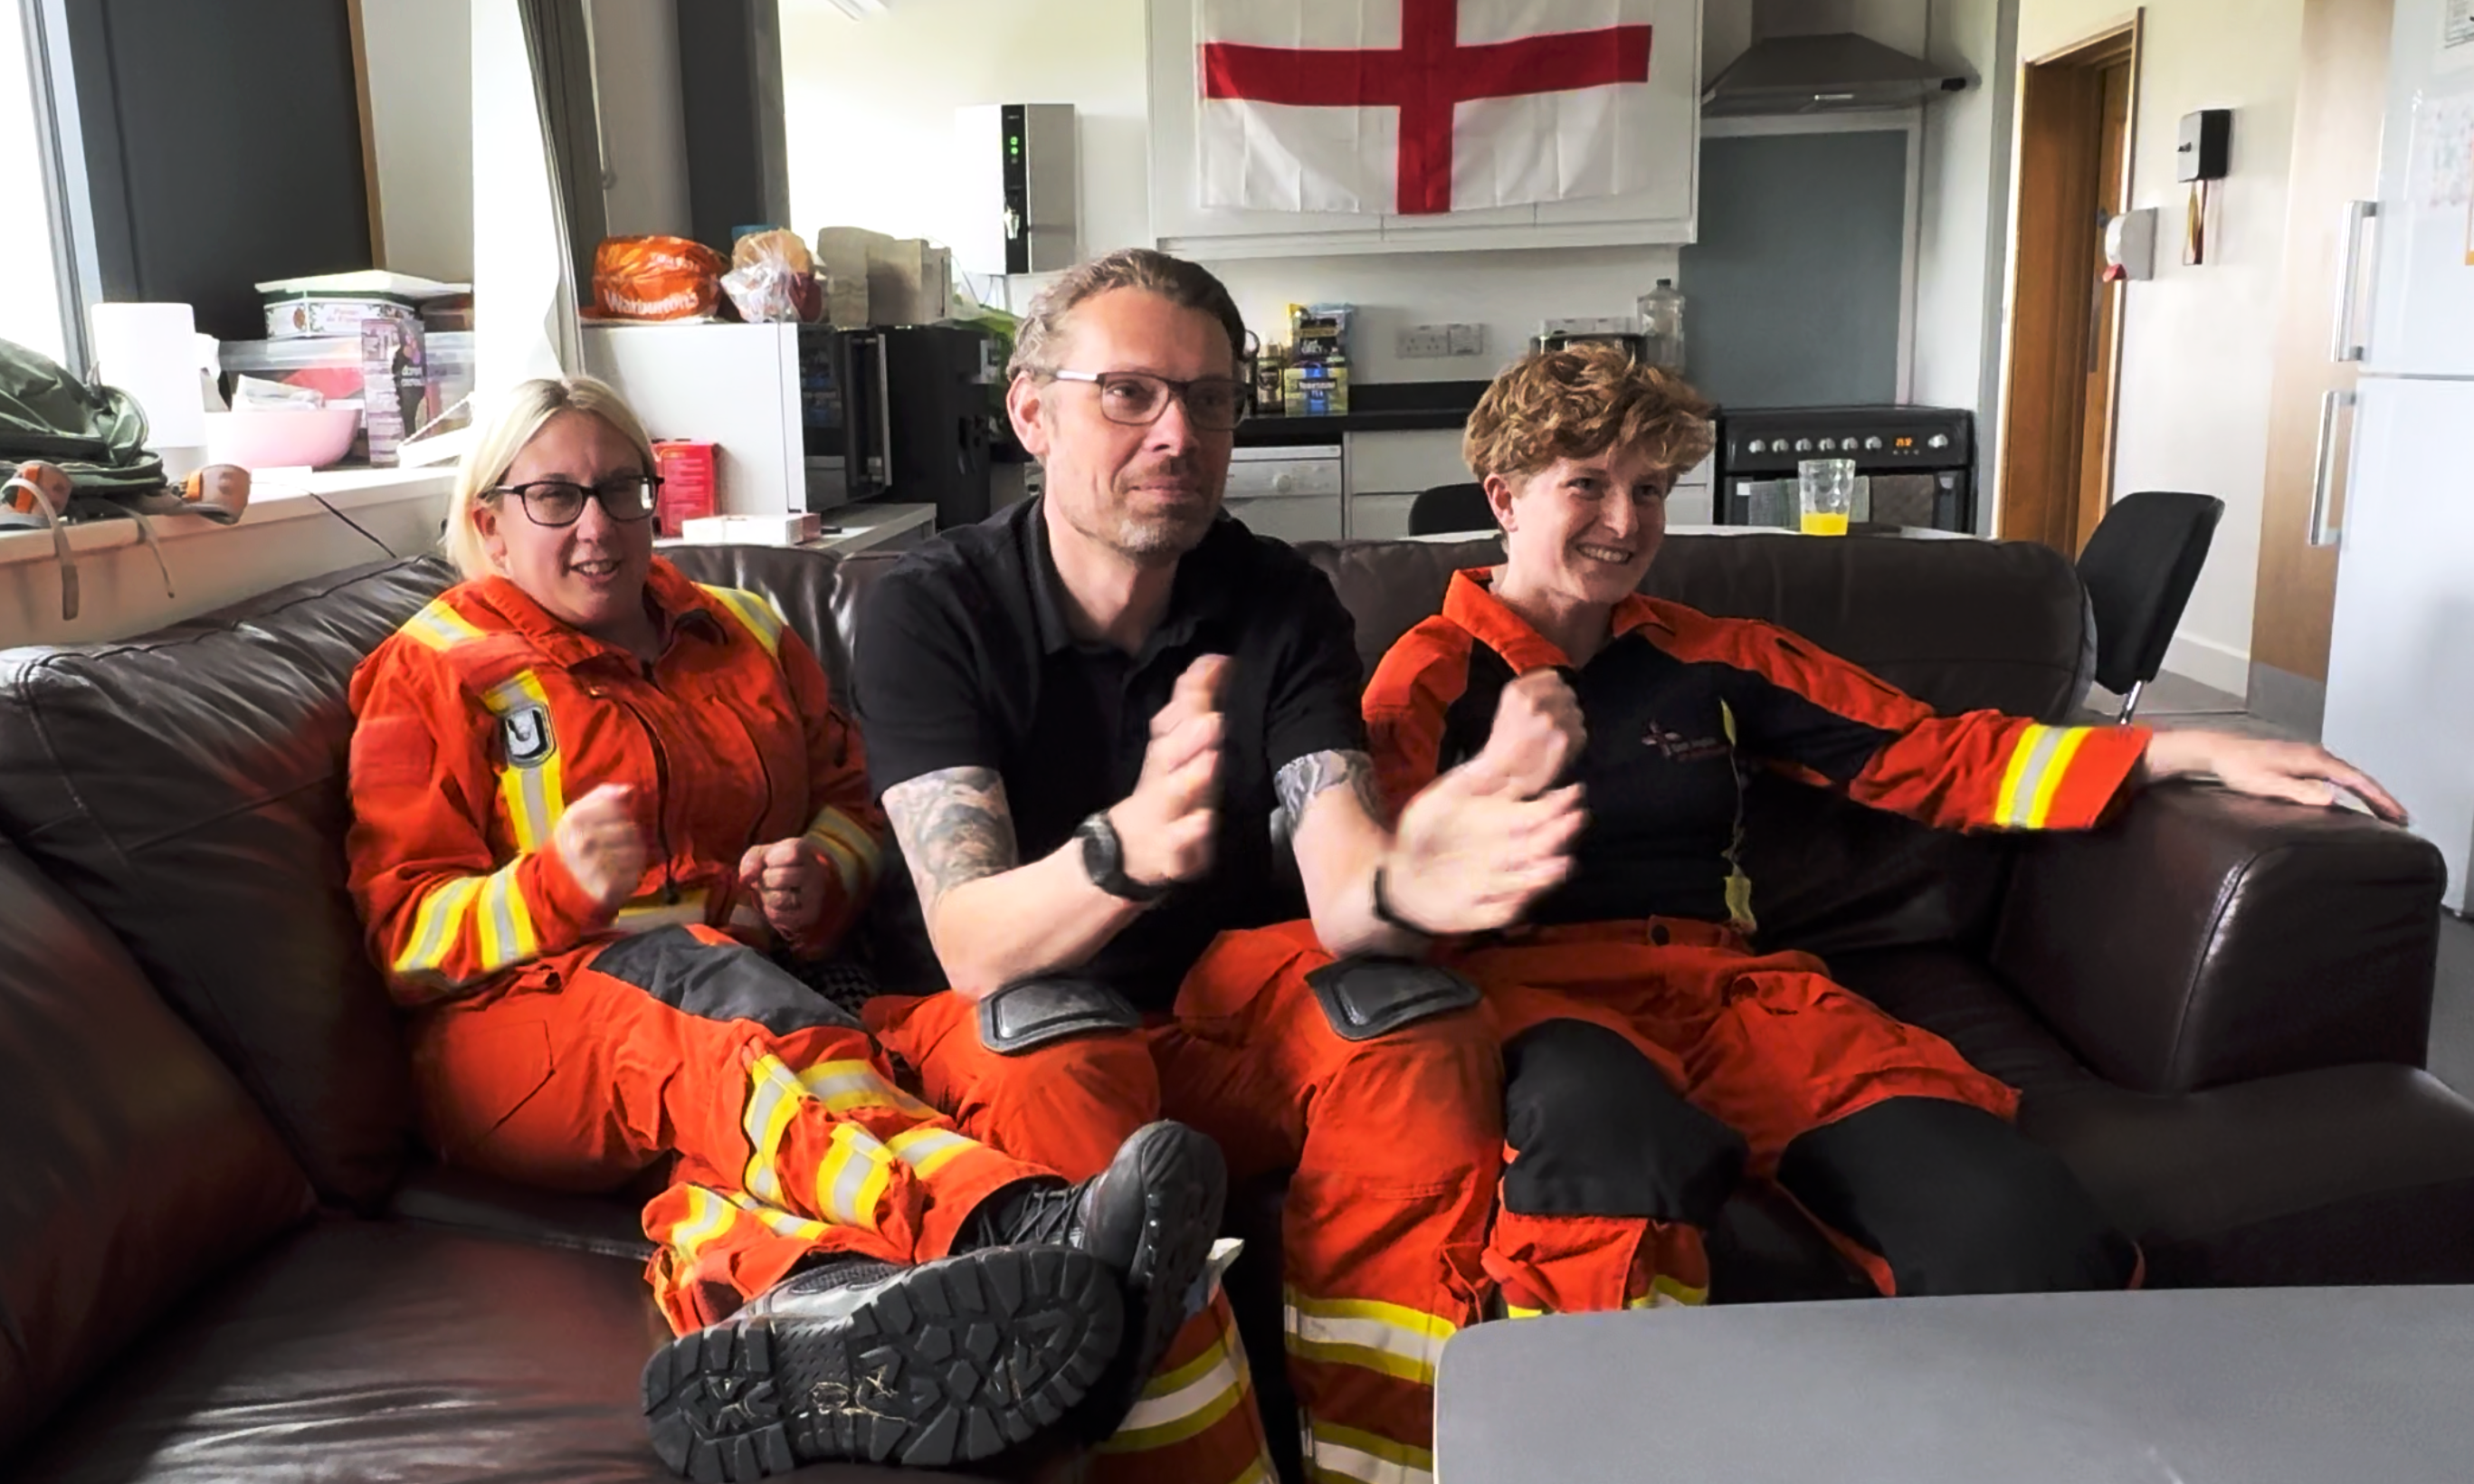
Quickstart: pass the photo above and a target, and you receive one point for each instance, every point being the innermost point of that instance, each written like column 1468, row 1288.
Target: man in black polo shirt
column 1089, row 716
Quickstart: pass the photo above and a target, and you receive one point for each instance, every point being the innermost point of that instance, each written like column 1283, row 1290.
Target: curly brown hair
column 1184, row 284
column 1578, row 403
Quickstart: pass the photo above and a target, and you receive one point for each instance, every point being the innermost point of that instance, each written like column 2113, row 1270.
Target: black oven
column 1914, row 466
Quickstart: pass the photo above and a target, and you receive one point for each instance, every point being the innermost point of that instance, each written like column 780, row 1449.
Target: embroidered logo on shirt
column 1676, row 748
column 528, row 739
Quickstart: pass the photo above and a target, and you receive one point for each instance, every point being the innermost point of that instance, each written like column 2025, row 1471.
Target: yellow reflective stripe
column 438, row 626
column 2040, row 809
column 928, row 1149
column 2030, row 756
column 1259, row 1472
column 1666, row 1292
column 1183, row 1403
column 708, row 1217
column 852, row 1176
column 506, row 924
column 1515, row 1311
column 772, row 1101
column 845, row 842
column 436, row 925
column 535, row 796
column 645, row 913
column 1337, row 1452
column 755, row 611
column 1370, row 1335
column 779, row 1222
column 843, row 1085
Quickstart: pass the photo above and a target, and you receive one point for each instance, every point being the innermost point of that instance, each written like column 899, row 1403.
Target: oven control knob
column 1283, row 484
column 1938, row 441
column 1874, row 442
column 1755, row 447
column 1827, row 444
column 1803, row 446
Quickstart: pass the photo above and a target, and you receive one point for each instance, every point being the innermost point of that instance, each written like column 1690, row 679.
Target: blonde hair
column 501, row 441
column 1578, row 403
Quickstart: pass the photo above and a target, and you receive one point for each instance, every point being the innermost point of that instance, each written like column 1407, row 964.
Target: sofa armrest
column 2203, row 937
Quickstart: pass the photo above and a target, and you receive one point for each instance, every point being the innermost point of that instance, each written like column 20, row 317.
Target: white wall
column 420, row 60
column 870, row 107
column 1960, row 250
column 2196, row 356
column 30, row 310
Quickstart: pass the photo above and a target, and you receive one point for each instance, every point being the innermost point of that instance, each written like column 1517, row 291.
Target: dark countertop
column 1373, row 407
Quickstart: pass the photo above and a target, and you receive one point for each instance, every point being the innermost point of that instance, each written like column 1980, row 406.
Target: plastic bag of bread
column 655, row 277
column 772, row 278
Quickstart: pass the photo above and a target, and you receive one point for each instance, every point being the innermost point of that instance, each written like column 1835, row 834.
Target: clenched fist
column 602, row 845
column 793, row 883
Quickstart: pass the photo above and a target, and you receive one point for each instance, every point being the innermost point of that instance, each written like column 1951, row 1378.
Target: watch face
column 1102, row 856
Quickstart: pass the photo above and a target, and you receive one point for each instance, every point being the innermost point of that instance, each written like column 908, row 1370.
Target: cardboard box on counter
column 871, row 278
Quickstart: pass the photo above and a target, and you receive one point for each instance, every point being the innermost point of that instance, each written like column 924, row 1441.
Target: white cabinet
column 1662, row 122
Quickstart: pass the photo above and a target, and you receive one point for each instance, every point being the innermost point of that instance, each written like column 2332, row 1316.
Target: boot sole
column 955, row 1360
column 1186, row 1185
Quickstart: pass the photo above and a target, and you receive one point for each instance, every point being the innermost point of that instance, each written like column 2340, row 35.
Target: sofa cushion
column 132, row 1163
column 385, row 1351
column 188, row 788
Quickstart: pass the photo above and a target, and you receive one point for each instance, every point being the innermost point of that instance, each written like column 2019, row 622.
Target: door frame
column 2056, row 134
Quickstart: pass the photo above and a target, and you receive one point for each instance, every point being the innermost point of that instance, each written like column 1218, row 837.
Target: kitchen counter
column 1373, row 407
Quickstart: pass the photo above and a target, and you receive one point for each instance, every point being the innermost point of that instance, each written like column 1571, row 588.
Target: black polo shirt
column 964, row 661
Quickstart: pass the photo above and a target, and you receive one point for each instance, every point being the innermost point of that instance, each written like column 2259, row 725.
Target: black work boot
column 1151, row 1216
column 947, row 1362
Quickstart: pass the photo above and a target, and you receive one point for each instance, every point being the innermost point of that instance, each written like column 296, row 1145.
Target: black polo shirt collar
column 1200, row 596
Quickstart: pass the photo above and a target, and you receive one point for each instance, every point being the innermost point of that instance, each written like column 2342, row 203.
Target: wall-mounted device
column 2203, row 151
column 2202, row 156
column 2131, row 245
column 1016, row 169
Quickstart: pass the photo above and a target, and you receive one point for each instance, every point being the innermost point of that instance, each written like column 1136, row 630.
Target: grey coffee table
column 2229, row 1386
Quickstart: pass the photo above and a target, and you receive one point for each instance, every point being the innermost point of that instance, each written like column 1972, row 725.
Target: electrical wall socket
column 1418, row 342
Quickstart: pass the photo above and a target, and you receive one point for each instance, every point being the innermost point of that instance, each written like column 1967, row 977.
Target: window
column 30, row 279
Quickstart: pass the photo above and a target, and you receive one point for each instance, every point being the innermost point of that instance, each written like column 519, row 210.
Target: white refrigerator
column 2400, row 701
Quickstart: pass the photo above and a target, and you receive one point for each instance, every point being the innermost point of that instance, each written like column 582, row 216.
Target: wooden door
column 2112, row 88
column 2337, row 117
column 2075, row 112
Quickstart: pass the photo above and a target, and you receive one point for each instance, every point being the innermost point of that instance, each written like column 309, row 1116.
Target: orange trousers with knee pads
column 787, row 1134
column 1394, row 1143
column 1766, row 1045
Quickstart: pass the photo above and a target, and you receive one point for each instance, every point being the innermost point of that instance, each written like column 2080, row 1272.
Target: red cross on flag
column 1421, row 106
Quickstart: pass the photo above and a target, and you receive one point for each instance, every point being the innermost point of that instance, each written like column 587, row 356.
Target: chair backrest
column 1451, row 507
column 2138, row 567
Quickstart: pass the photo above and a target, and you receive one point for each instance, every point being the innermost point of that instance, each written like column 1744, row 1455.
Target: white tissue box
column 750, row 531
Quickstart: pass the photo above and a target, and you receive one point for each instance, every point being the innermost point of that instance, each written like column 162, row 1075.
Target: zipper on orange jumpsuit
column 661, row 791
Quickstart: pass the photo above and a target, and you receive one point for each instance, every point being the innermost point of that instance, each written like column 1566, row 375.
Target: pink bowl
column 281, row 437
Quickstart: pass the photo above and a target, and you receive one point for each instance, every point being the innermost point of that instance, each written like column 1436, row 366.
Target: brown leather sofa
column 220, row 1258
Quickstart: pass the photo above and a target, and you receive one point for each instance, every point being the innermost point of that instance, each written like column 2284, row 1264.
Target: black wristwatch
column 1104, row 859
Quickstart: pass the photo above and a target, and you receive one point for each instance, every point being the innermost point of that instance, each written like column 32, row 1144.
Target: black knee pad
column 1363, row 996
column 1956, row 1201
column 1029, row 1014
column 1600, row 1133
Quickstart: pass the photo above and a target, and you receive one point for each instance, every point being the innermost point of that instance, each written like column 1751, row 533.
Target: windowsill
column 274, row 495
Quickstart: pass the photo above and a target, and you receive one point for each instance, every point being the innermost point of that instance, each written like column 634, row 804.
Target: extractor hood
column 1805, row 59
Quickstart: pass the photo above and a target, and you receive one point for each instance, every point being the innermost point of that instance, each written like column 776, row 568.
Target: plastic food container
column 281, row 437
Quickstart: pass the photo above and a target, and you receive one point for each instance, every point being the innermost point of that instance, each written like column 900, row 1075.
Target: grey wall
column 1792, row 292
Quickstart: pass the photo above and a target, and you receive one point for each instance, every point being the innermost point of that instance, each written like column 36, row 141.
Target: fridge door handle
column 2323, row 469
column 2343, row 346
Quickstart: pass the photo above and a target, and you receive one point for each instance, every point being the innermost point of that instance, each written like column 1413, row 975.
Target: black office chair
column 1451, row 507
column 2139, row 567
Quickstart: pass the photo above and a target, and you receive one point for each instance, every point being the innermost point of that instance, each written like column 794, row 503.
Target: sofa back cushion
column 188, row 788
column 132, row 1163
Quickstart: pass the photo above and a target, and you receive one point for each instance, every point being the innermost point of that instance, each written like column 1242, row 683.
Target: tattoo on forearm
column 954, row 826
column 1302, row 779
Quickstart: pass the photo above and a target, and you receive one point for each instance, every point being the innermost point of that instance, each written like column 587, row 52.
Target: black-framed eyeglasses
column 558, row 502
column 1215, row 404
